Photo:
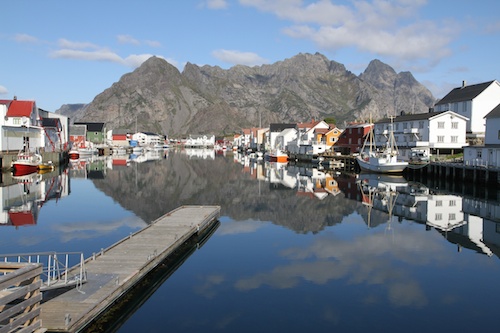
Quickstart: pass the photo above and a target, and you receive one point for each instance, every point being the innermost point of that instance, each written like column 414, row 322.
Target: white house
column 487, row 155
column 306, row 141
column 473, row 102
column 55, row 137
column 284, row 138
column 434, row 132
column 19, row 126
column 273, row 133
column 200, row 141
column 145, row 139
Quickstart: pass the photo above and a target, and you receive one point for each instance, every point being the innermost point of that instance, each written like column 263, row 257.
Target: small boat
column 419, row 157
column 278, row 155
column 74, row 154
column 46, row 167
column 26, row 163
column 380, row 161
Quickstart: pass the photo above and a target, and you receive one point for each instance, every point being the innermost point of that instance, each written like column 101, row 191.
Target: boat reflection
column 468, row 222
column 24, row 196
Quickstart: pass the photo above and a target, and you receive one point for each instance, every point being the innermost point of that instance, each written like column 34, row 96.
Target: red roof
column 20, row 108
column 308, row 125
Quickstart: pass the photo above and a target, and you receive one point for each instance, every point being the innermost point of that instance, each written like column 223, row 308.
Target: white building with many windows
column 487, row 155
column 473, row 102
column 434, row 132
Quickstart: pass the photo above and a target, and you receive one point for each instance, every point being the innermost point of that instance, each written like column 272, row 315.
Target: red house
column 352, row 139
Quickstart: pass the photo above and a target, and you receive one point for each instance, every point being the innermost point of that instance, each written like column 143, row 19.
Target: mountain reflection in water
column 299, row 248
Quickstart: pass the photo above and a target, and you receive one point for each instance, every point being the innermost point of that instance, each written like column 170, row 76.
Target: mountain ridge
column 158, row 97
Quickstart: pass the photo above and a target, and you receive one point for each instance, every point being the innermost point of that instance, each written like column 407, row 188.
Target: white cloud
column 98, row 55
column 239, row 58
column 3, row 90
column 152, row 43
column 216, row 4
column 384, row 28
column 67, row 44
column 24, row 38
column 127, row 39
column 92, row 52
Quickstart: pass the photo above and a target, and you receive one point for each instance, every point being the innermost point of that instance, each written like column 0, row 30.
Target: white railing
column 59, row 269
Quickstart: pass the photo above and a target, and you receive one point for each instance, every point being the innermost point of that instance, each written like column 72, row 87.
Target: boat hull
column 73, row 155
column 23, row 169
column 279, row 158
column 372, row 165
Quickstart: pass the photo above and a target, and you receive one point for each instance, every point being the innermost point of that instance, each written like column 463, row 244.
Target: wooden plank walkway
column 115, row 270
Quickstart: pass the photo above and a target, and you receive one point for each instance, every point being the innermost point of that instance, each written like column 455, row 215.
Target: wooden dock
column 113, row 271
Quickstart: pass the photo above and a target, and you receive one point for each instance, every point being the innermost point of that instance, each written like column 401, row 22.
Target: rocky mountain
column 156, row 97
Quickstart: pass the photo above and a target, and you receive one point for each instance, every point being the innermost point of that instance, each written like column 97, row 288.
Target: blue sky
column 64, row 52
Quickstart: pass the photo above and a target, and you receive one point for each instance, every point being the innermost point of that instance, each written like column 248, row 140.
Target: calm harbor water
column 297, row 249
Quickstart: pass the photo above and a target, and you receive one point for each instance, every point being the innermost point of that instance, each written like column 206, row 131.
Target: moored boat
column 26, row 163
column 73, row 154
column 381, row 161
column 277, row 155
column 46, row 167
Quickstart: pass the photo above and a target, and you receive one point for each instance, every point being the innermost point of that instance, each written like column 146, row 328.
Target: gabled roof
column 280, row 127
column 417, row 116
column 92, row 127
column 465, row 93
column 308, row 125
column 20, row 108
column 495, row 113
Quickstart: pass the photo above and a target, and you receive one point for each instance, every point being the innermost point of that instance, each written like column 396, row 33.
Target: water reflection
column 24, row 196
column 303, row 198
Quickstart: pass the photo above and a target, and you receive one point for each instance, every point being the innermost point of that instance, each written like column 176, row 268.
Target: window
column 498, row 134
column 451, row 217
column 420, row 124
column 439, row 216
column 439, row 203
column 405, row 125
column 453, row 203
column 440, row 124
column 454, row 125
column 454, row 139
column 440, row 138
column 479, row 153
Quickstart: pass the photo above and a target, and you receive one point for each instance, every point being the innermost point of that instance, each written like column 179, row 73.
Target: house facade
column 55, row 131
column 308, row 138
column 434, row 132
column 473, row 102
column 275, row 130
column 78, row 136
column 200, row 141
column 352, row 138
column 19, row 126
column 145, row 139
column 95, row 132
column 487, row 155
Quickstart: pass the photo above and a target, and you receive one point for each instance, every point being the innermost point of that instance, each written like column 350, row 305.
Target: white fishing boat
column 384, row 160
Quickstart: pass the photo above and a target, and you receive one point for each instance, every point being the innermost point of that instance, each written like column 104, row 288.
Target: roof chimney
column 15, row 97
column 464, row 84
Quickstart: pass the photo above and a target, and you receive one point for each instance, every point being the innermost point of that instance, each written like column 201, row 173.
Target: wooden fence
column 20, row 297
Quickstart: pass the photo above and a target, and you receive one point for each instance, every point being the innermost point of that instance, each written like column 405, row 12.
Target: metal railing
column 59, row 269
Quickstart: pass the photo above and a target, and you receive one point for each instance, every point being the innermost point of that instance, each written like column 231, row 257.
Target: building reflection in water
column 468, row 222
column 23, row 197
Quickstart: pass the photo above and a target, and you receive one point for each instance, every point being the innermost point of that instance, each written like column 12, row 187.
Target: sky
column 66, row 52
